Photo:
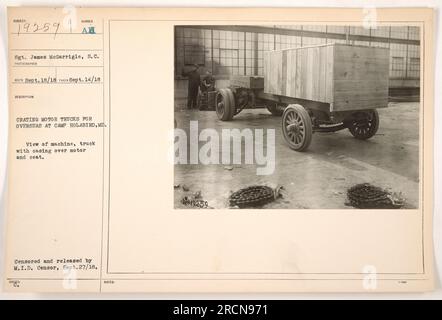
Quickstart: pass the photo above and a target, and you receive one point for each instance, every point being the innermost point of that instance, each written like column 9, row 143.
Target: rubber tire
column 229, row 103
column 372, row 130
column 232, row 103
column 308, row 129
column 275, row 110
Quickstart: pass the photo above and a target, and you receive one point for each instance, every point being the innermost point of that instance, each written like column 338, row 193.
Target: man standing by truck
column 192, row 88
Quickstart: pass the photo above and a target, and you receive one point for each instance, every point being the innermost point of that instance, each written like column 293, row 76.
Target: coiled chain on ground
column 367, row 196
column 252, row 196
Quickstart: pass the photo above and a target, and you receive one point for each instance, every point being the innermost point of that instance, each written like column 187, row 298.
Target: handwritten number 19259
column 47, row 27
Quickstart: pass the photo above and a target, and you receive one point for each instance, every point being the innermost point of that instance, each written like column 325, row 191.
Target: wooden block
column 288, row 73
column 329, row 75
column 304, row 75
column 294, row 55
column 298, row 74
column 360, row 85
column 250, row 82
column 278, row 66
column 284, row 73
column 322, row 73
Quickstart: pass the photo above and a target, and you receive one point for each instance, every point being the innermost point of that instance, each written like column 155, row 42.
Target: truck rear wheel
column 225, row 104
column 364, row 125
column 297, row 127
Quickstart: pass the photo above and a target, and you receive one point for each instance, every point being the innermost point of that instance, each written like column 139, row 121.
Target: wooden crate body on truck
column 346, row 77
column 249, row 82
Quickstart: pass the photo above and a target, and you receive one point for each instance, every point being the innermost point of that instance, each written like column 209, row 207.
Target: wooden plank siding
column 347, row 77
column 360, row 77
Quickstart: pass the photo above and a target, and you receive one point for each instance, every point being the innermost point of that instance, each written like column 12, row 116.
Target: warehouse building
column 238, row 50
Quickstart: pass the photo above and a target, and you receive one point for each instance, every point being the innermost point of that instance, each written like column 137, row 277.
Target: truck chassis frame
column 300, row 117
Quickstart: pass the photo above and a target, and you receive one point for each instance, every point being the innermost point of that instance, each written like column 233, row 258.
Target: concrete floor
column 319, row 177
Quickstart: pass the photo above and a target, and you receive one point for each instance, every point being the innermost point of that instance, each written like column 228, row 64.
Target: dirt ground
column 319, row 177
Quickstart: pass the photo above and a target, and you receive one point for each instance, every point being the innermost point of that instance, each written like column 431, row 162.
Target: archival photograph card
column 220, row 150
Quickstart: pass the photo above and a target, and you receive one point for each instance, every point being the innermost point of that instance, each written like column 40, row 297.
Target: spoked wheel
column 364, row 125
column 225, row 104
column 276, row 109
column 297, row 127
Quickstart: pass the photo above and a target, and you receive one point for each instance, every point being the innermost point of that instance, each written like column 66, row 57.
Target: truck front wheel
column 225, row 104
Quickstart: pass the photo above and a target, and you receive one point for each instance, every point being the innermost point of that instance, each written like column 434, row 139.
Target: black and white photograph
column 297, row 116
column 231, row 152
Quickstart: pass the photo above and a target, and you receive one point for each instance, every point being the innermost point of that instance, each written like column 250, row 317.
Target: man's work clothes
column 192, row 88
